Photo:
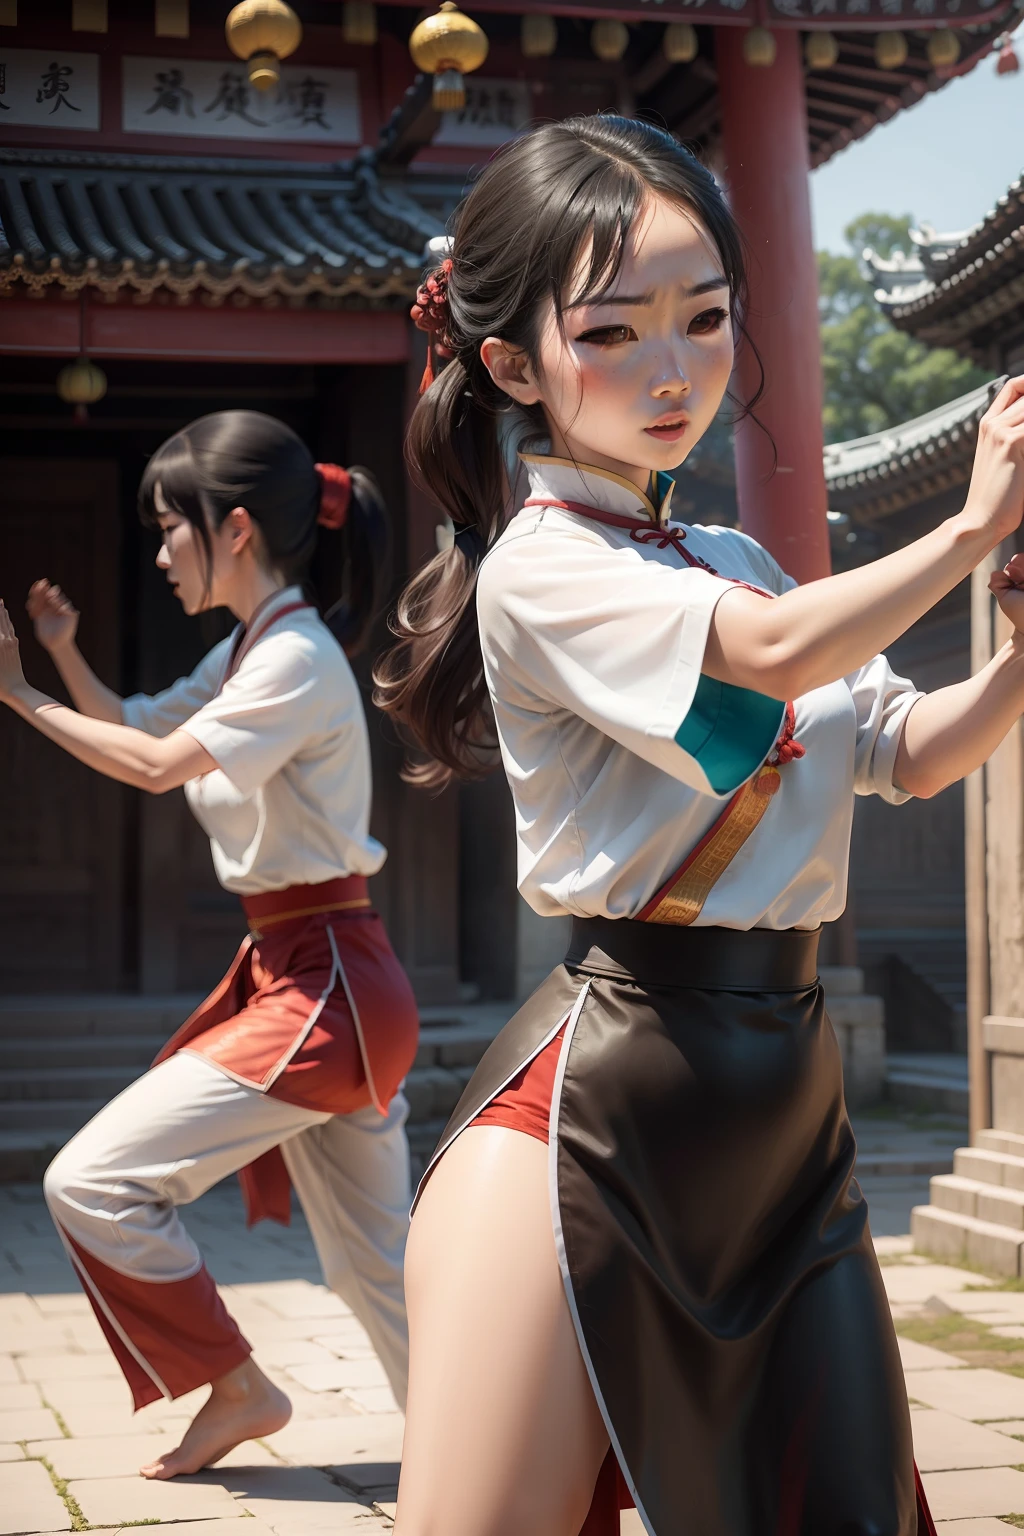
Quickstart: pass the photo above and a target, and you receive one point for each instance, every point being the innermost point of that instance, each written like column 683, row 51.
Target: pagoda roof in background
column 216, row 229
column 958, row 290
column 886, row 471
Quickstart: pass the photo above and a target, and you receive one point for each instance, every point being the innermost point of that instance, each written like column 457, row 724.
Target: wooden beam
column 194, row 333
column 842, row 109
column 827, row 85
column 1004, row 825
column 412, row 125
column 978, row 978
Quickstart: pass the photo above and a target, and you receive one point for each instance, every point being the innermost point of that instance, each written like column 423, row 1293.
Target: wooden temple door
column 61, row 825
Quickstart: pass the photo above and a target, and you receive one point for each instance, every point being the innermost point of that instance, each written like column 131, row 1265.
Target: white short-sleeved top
column 619, row 755
column 289, row 801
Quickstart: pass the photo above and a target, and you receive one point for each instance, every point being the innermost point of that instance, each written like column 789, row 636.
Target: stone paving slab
column 333, row 1375
column 11, row 1453
column 959, row 1495
column 299, row 1502
column 372, row 1399
column 123, row 1455
column 921, row 1357
column 918, row 1282
column 118, row 1500
column 341, row 1443
column 21, row 1395
column 72, row 1367
column 226, row 1527
column 945, row 1443
column 289, row 1352
column 970, row 1394
column 30, row 1501
column 27, row 1424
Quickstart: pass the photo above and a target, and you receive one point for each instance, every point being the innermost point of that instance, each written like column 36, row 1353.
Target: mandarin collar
column 565, row 480
column 262, row 612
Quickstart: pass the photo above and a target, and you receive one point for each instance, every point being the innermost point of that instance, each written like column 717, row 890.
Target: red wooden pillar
column 764, row 128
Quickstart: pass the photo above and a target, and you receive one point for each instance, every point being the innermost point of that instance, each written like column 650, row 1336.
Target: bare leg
column 503, row 1434
column 243, row 1405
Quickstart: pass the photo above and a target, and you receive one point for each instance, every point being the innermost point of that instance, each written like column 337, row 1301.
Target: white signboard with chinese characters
column 49, row 89
column 211, row 99
column 495, row 110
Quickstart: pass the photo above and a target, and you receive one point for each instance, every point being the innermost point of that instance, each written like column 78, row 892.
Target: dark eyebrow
column 711, row 285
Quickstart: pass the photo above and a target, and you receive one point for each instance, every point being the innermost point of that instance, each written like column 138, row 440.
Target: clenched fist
column 55, row 616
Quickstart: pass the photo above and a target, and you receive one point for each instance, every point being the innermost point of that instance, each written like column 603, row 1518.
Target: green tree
column 875, row 376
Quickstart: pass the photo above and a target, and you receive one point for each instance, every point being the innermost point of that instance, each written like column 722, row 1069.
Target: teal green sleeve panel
column 730, row 731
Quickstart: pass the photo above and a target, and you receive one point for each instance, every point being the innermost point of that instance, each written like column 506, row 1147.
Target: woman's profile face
column 631, row 383
column 181, row 557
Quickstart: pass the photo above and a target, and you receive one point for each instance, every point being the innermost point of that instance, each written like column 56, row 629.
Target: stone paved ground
column 70, row 1447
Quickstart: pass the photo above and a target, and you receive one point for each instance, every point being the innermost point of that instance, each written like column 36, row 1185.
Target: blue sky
column 945, row 160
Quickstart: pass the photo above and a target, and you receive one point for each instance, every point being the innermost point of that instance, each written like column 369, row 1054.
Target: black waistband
column 710, row 959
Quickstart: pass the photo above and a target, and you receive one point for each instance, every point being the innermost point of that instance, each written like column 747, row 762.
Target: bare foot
column 243, row 1405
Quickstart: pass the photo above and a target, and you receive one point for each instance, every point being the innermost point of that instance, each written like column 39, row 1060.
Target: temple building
column 188, row 223
column 964, row 291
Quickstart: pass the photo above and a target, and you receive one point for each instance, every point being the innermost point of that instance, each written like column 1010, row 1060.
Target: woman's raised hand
column 995, row 500
column 1007, row 586
column 11, row 675
column 55, row 616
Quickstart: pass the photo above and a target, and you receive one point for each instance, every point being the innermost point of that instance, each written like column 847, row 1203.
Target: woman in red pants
column 290, row 1072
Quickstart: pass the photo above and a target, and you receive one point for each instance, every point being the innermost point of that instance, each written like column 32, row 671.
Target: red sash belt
column 314, row 1009
column 346, row 894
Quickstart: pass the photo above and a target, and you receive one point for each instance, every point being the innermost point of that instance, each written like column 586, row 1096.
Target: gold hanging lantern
column 680, row 44
column 263, row 32
column 821, row 50
column 448, row 45
column 943, row 48
column 609, row 39
column 759, row 47
column 81, row 384
column 538, row 36
column 891, row 50
column 359, row 23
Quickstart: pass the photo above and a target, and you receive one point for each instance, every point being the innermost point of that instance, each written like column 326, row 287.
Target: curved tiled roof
column 214, row 228
column 954, row 290
column 919, row 458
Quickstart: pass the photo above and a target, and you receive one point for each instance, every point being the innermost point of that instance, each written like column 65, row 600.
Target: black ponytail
column 246, row 459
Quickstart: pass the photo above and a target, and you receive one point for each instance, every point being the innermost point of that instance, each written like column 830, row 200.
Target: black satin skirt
column 713, row 1240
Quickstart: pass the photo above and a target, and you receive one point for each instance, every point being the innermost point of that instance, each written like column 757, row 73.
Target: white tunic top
column 289, row 801
column 593, row 645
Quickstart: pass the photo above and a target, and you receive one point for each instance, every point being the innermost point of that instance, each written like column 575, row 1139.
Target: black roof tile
column 314, row 233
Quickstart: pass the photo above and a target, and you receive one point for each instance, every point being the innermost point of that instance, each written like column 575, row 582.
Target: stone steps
column 93, row 1014
column 27, row 1053
column 929, row 1082
column 63, row 1058
column 976, row 1213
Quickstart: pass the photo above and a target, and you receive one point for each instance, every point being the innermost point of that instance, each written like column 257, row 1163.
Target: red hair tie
column 335, row 495
column 431, row 313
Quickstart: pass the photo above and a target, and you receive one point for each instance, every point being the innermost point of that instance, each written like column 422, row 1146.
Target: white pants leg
column 351, row 1174
column 164, row 1141
column 115, row 1188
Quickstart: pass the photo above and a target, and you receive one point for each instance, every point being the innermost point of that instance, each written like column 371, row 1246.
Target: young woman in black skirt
column 640, row 1259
